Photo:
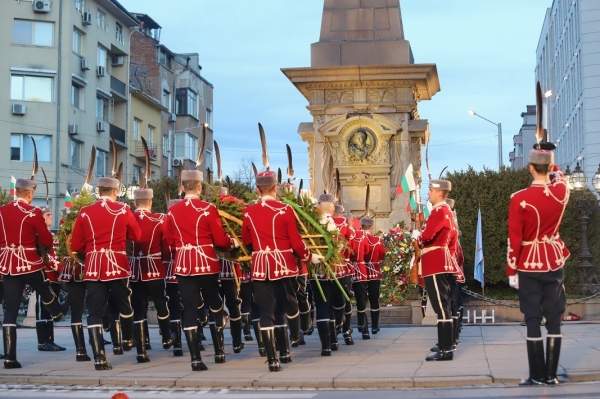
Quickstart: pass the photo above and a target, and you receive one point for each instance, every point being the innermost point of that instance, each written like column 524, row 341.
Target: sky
column 484, row 51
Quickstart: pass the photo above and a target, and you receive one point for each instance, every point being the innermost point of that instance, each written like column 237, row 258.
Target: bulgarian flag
column 13, row 187
column 408, row 181
column 412, row 203
column 427, row 210
column 68, row 200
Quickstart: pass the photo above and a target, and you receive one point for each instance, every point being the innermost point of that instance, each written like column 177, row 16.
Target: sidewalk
column 394, row 359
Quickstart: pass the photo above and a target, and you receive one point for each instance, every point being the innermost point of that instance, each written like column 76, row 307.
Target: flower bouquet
column 396, row 265
column 84, row 199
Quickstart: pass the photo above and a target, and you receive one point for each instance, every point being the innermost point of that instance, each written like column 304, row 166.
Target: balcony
column 139, row 150
column 118, row 134
column 118, row 89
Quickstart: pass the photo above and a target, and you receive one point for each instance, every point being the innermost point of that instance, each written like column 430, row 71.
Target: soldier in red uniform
column 536, row 256
column 100, row 233
column 438, row 265
column 44, row 325
column 373, row 259
column 359, row 247
column 23, row 238
column 345, row 271
column 148, row 273
column 270, row 229
column 459, row 278
column 194, row 227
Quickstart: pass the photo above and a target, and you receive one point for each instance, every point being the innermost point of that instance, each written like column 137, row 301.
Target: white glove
column 415, row 235
column 513, row 281
column 315, row 259
column 236, row 243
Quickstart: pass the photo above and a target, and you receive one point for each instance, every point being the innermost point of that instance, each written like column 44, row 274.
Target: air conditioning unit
column 86, row 18
column 100, row 71
column 19, row 109
column 41, row 6
column 172, row 117
column 73, row 129
column 178, row 163
column 84, row 64
column 100, row 126
column 118, row 60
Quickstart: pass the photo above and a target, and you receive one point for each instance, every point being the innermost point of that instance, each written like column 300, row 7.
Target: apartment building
column 65, row 65
column 524, row 140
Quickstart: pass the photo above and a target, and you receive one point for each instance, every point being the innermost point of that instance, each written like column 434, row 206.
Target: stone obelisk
column 363, row 88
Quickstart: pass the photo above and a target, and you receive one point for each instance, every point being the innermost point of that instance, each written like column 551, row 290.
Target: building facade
column 66, row 64
column 568, row 64
column 524, row 140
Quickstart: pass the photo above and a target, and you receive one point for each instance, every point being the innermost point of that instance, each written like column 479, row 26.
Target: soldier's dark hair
column 105, row 190
column 143, row 202
column 191, row 185
column 541, row 169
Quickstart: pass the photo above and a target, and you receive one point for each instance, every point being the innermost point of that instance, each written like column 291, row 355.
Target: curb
column 284, row 384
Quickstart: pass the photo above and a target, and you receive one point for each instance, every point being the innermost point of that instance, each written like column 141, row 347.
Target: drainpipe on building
column 58, row 120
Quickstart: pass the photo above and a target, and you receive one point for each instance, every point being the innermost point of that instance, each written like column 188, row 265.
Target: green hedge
column 491, row 190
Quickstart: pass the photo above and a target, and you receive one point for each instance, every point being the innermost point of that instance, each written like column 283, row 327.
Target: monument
column 363, row 88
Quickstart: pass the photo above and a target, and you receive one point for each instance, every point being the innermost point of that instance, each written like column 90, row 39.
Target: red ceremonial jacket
column 374, row 256
column 438, row 235
column 347, row 233
column 270, row 228
column 52, row 262
column 169, row 254
column 194, row 228
column 457, row 251
column 101, row 231
column 360, row 249
column 145, row 258
column 534, row 217
column 23, row 236
column 230, row 270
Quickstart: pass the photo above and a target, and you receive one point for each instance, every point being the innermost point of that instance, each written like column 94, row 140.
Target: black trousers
column 41, row 313
column 174, row 301
column 334, row 301
column 192, row 289
column 142, row 291
column 542, row 295
column 76, row 299
column 302, row 294
column 229, row 292
column 246, row 297
column 100, row 293
column 275, row 299
column 13, row 293
column 439, row 291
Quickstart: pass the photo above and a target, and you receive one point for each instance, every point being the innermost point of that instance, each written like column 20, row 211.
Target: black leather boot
column 247, row 327
column 261, row 345
column 294, row 327
column 333, row 335
column 127, row 333
column 445, row 328
column 553, row 344
column 236, row 334
column 283, row 344
column 363, row 325
column 116, row 337
column 97, row 344
column 201, row 336
column 176, row 334
column 347, row 328
column 9, row 335
column 537, row 365
column 147, row 335
column 216, row 333
column 191, row 337
column 164, row 325
column 50, row 335
column 139, row 328
column 325, row 337
column 80, row 352
column 306, row 323
column 268, row 339
column 375, row 321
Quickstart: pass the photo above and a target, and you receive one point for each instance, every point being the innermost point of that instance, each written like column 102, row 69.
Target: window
column 187, row 102
column 101, row 162
column 102, row 56
column 163, row 58
column 137, row 128
column 186, row 146
column 166, row 99
column 101, row 109
column 137, row 174
column 77, row 40
column 31, row 88
column 209, row 118
column 165, row 145
column 151, row 130
column 79, row 5
column 33, row 33
column 101, row 19
column 77, row 95
column 75, row 153
column 119, row 33
column 21, row 147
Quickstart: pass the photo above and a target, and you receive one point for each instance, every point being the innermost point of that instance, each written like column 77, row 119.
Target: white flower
column 331, row 227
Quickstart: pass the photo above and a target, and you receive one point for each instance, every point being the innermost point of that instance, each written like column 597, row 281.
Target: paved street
column 394, row 359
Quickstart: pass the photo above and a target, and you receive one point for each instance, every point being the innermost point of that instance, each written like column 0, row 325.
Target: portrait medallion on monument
column 361, row 143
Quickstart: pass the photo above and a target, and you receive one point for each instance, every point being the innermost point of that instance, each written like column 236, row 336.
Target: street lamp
column 596, row 180
column 578, row 179
column 499, row 126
